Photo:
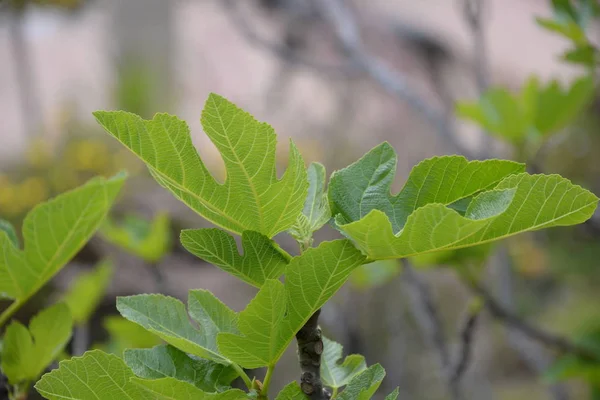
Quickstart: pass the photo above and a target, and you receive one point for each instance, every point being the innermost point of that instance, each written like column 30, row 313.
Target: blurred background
column 338, row 80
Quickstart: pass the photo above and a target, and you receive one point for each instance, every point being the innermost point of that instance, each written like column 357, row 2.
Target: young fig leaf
column 95, row 375
column 251, row 199
column 167, row 318
column 53, row 233
column 168, row 361
column 261, row 259
column 336, row 373
column 27, row 352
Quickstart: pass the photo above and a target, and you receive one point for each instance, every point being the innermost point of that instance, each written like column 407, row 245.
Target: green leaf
column 291, row 391
column 587, row 55
column 568, row 29
column 518, row 203
column 310, row 280
column 261, row 259
column 316, row 212
column 173, row 389
column 497, row 112
column 335, row 373
column 125, row 334
column 538, row 111
column 95, row 375
column 260, row 325
column 167, row 318
column 571, row 366
column 167, row 361
column 53, row 233
column 251, row 199
column 364, row 385
column 149, row 240
column 87, row 291
column 556, row 107
column 7, row 228
column 366, row 184
column 27, row 352
column 393, row 395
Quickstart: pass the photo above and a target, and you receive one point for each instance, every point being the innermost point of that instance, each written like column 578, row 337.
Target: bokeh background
column 282, row 61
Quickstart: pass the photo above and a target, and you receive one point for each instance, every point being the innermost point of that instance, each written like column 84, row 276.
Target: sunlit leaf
column 261, row 259
column 260, row 342
column 316, row 212
column 336, row 373
column 95, row 375
column 251, row 199
column 364, row 385
column 517, row 203
column 53, row 233
column 27, row 352
column 278, row 312
column 291, row 391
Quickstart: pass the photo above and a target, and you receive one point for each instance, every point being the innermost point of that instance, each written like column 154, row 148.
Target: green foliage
column 87, row 291
column 534, row 114
column 316, row 212
column 291, row 392
column 53, row 233
column 570, row 20
column 27, row 352
column 364, row 385
column 170, row 388
column 261, row 260
column 167, row 318
column 252, row 198
column 448, row 203
column 149, row 240
column 420, row 219
column 167, row 361
column 337, row 374
column 95, row 375
column 311, row 279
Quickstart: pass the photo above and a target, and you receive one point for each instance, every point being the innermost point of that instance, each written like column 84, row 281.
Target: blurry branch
column 557, row 342
column 531, row 351
column 289, row 49
column 473, row 15
column 467, row 334
column 426, row 314
column 81, row 338
column 347, row 32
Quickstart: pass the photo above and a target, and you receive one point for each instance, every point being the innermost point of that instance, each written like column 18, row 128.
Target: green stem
column 5, row 316
column 334, row 393
column 265, row 389
column 242, row 375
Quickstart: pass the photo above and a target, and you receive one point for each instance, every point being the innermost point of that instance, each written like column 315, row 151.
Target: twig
column 466, row 349
column 81, row 336
column 347, row 32
column 285, row 49
column 473, row 14
column 310, row 348
column 432, row 325
column 557, row 342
